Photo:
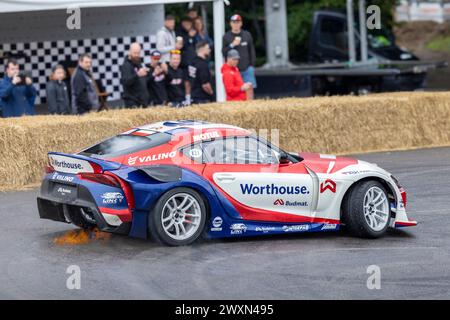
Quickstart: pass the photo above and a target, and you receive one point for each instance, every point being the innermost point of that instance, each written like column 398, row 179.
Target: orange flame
column 81, row 237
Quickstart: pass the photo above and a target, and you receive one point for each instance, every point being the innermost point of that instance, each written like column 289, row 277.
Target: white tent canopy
column 42, row 5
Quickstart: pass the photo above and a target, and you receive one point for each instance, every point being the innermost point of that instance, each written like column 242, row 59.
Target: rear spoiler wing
column 74, row 163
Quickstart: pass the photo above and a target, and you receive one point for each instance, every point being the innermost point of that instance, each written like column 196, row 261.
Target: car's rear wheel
column 178, row 218
column 366, row 210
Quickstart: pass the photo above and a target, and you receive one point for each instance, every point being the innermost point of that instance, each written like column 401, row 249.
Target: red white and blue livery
column 177, row 181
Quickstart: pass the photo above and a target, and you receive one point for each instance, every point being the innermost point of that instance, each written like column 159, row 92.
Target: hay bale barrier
column 339, row 125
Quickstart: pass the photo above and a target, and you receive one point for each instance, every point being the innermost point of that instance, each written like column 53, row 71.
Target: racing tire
column 366, row 210
column 178, row 218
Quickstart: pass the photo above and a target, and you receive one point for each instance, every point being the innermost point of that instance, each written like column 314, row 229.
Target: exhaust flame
column 81, row 237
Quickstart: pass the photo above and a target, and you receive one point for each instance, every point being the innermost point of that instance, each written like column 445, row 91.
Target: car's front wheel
column 178, row 217
column 366, row 210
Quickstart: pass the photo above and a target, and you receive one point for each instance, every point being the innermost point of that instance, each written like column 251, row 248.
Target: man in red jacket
column 235, row 87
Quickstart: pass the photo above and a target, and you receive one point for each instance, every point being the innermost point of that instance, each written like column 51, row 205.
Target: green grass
column 441, row 44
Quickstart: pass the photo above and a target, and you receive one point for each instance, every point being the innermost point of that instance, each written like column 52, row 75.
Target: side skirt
column 241, row 228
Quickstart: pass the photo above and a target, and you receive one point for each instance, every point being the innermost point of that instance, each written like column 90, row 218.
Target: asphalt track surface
column 414, row 262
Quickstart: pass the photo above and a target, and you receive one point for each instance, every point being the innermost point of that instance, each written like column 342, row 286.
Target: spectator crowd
column 178, row 74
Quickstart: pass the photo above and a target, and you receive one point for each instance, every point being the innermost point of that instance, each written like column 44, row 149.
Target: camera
column 23, row 75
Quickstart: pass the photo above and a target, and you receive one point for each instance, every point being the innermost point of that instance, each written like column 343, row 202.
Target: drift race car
column 179, row 180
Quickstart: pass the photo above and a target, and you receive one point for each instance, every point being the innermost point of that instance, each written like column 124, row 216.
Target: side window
column 239, row 150
column 126, row 144
column 333, row 33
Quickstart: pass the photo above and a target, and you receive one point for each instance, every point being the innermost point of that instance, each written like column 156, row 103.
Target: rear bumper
column 81, row 211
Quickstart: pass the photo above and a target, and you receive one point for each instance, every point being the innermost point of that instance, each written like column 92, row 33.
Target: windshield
column 377, row 38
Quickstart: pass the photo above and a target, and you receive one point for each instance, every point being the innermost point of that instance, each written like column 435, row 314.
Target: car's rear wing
column 74, row 163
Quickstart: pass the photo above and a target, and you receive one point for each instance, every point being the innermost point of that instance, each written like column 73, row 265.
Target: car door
column 247, row 171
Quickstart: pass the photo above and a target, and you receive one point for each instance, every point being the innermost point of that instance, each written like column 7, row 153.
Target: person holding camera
column 57, row 94
column 17, row 94
column 134, row 78
column 157, row 71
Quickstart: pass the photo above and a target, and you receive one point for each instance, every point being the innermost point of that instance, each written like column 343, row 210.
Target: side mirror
column 284, row 158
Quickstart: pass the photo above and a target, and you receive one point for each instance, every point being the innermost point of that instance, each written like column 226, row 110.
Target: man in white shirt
column 166, row 39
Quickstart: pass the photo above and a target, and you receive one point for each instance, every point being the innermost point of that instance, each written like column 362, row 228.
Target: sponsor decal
column 60, row 177
column 238, row 228
column 195, row 153
column 328, row 185
column 217, row 224
column 327, row 156
column 265, row 229
column 65, row 165
column 401, row 205
column 272, row 189
column 63, row 191
column 132, row 161
column 206, row 136
column 154, row 157
column 279, row 202
column 287, row 203
column 69, row 165
column 356, row 172
column 329, row 226
column 296, row 228
column 112, row 197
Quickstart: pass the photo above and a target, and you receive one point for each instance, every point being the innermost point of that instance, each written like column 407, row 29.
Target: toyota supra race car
column 177, row 181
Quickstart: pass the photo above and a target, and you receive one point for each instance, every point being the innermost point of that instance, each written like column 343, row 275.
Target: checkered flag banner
column 107, row 57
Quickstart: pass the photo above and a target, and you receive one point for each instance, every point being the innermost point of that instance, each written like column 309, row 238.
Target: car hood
column 329, row 164
column 324, row 163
